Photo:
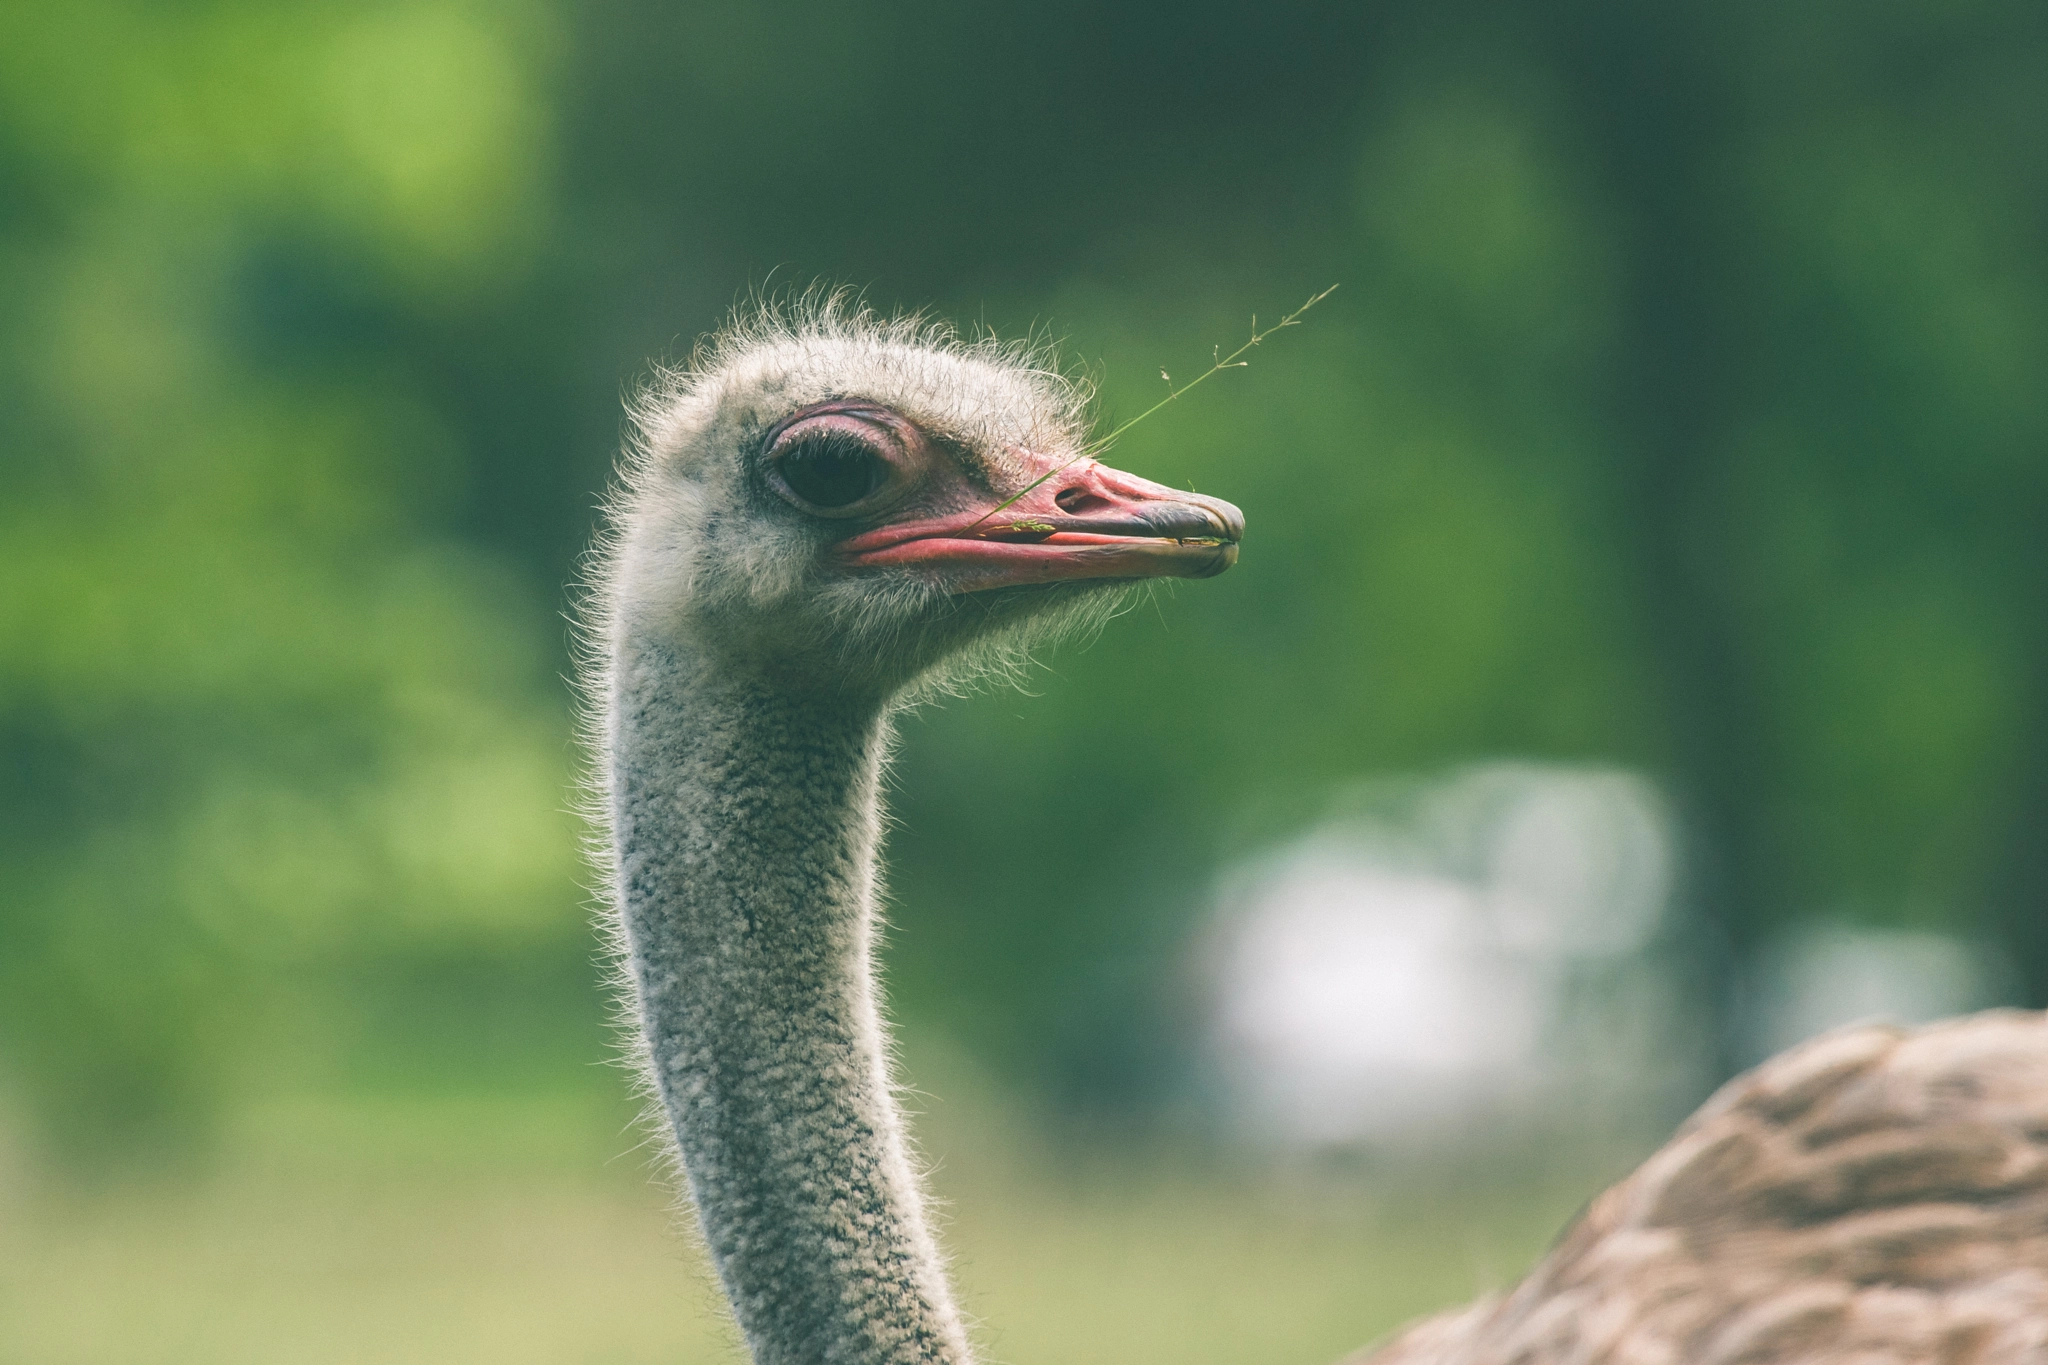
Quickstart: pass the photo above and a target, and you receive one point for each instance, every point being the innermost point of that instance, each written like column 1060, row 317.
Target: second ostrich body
column 825, row 513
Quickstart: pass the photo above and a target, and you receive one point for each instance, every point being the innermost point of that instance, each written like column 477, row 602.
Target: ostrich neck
column 746, row 821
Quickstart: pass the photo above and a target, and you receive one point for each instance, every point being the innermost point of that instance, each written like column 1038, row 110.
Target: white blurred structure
column 1445, row 955
column 1819, row 977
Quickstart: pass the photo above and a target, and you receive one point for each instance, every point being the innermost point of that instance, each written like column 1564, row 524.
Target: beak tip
column 1229, row 520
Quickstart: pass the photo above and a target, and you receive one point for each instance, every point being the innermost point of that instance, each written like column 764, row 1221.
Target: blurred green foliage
column 1683, row 407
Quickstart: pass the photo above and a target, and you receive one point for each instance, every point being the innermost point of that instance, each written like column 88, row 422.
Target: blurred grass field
column 529, row 1230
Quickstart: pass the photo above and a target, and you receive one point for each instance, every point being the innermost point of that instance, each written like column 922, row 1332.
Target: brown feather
column 1877, row 1196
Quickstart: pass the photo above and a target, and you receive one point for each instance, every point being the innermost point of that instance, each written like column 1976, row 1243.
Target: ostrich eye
column 831, row 469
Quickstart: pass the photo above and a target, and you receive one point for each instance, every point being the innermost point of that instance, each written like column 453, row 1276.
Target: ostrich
column 827, row 513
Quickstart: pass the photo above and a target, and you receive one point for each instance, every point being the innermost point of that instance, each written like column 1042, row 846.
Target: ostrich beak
column 1079, row 521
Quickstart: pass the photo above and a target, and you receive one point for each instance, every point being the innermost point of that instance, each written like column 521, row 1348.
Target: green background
column 1682, row 408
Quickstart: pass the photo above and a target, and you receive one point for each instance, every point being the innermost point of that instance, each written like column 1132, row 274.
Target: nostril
column 1079, row 502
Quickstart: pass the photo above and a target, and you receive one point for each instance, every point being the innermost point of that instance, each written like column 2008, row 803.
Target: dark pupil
column 831, row 470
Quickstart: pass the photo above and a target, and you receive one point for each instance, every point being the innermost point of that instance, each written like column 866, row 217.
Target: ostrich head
column 824, row 500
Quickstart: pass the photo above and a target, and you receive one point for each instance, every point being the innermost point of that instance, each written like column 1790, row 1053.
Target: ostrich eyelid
column 878, row 440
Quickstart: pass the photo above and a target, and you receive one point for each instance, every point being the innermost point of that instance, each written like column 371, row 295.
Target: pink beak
column 1084, row 521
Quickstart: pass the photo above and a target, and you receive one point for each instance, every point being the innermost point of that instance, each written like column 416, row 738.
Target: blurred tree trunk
column 1657, row 86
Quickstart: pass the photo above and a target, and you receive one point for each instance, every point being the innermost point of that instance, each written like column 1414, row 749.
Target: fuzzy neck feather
column 746, row 819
